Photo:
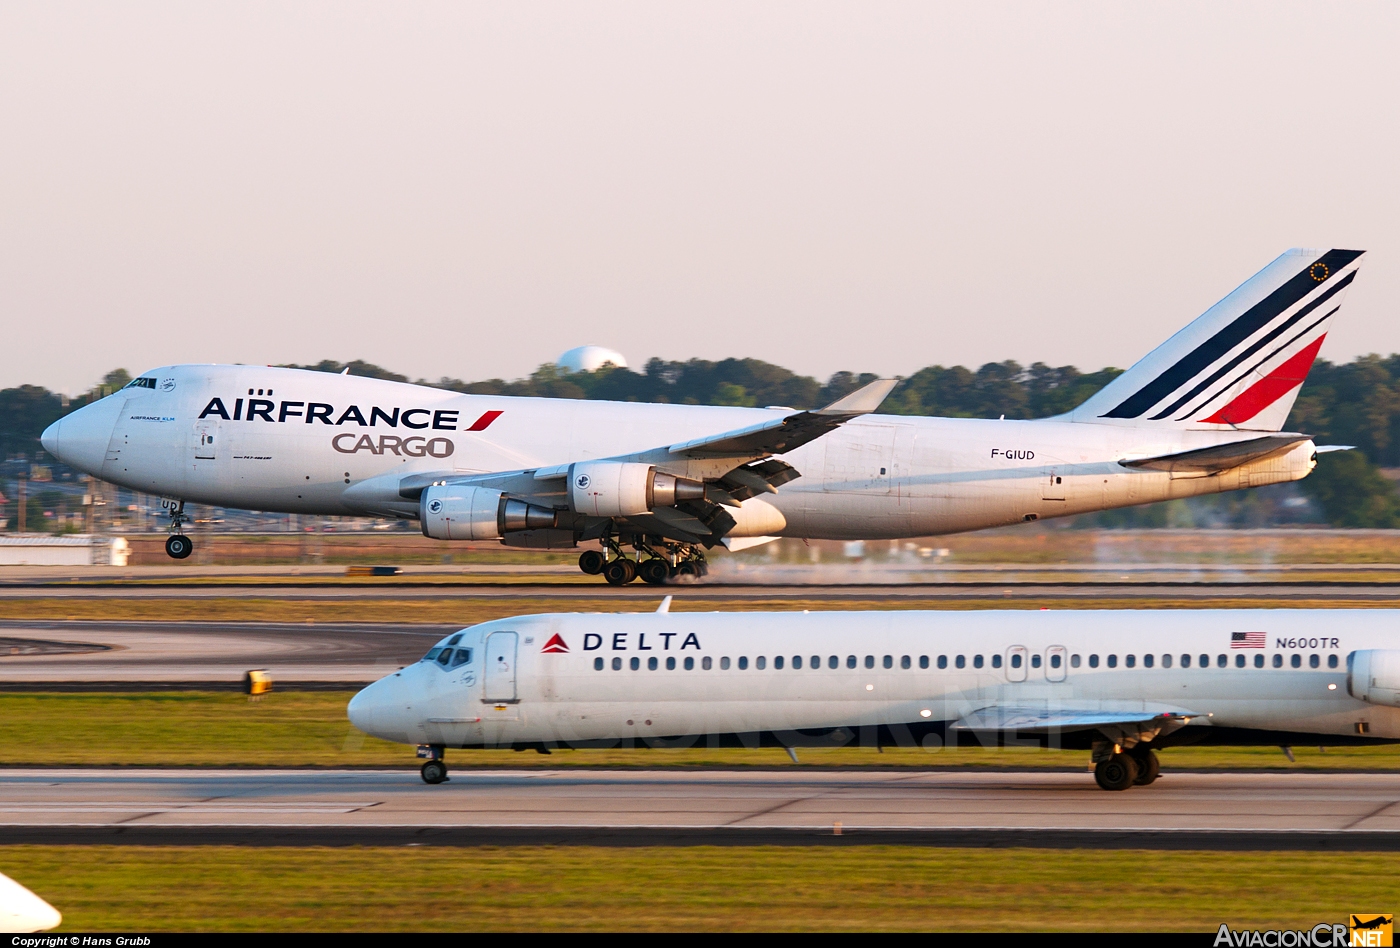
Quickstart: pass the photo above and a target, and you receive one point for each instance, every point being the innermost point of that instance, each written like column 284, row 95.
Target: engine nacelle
column 450, row 512
column 1373, row 675
column 621, row 489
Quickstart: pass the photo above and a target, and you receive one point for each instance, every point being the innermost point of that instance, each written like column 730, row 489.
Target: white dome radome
column 590, row 359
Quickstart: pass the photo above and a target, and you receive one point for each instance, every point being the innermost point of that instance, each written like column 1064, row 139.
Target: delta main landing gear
column 656, row 562
column 1115, row 769
column 177, row 545
column 434, row 770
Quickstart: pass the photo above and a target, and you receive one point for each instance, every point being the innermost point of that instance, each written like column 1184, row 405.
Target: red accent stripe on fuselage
column 484, row 422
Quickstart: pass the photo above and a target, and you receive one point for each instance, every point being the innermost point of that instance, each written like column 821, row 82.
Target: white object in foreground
column 23, row 911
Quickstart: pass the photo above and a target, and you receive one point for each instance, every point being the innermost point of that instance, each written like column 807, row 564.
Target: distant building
column 590, row 359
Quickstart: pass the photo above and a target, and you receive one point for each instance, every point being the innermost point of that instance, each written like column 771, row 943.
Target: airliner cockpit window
column 462, row 657
column 141, row 383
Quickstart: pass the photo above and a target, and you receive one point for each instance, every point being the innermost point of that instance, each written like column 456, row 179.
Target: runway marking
column 1374, row 813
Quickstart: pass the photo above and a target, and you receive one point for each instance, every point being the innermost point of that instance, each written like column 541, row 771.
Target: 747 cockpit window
column 141, row 383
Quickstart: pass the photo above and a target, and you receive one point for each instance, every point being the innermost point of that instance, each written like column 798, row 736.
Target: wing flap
column 1023, row 719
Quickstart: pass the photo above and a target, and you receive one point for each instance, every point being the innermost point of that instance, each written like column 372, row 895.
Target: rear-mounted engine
column 1373, row 675
column 450, row 512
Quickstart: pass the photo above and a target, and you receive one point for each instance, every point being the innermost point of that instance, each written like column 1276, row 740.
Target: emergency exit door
column 499, row 685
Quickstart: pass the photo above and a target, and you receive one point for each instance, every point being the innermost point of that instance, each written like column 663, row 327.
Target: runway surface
column 1010, row 589
column 1182, row 810
column 82, row 653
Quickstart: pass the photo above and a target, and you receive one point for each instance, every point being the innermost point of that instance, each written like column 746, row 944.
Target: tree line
column 1355, row 403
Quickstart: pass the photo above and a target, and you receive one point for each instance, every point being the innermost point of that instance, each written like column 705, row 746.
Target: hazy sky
column 470, row 189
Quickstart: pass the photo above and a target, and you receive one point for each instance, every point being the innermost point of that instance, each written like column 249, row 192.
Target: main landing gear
column 177, row 545
column 655, row 562
column 1116, row 770
column 434, row 770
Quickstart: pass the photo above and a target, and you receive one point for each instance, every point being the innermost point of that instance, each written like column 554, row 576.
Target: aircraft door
column 859, row 459
column 1056, row 663
column 1052, row 484
column 206, row 439
column 1016, row 663
column 499, row 673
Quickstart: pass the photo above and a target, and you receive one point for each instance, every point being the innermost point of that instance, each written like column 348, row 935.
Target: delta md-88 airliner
column 1202, row 413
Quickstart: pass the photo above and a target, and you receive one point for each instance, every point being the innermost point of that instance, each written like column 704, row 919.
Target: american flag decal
column 1246, row 639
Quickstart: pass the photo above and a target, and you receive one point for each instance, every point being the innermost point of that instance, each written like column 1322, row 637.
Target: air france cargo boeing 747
column 1202, row 413
column 1118, row 684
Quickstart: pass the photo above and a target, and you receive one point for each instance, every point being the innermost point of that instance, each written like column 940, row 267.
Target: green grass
column 468, row 609
column 294, row 729
column 141, row 889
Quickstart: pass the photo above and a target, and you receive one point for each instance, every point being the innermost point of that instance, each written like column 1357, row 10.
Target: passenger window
column 651, row 663
column 888, row 661
column 758, row 663
column 1331, row 661
column 943, row 661
column 1185, row 660
column 1112, row 661
column 636, row 663
column 1147, row 660
column 598, row 663
column 1239, row 661
column 1035, row 661
column 904, row 661
column 1016, row 660
column 1258, row 661
column 833, row 662
column 1313, row 661
column 617, row 664
column 1296, row 661
column 705, row 663
column 1093, row 660
column 724, row 663
column 961, row 662
column 816, row 662
column 1167, row 661
column 690, row 663
column 743, row 662
column 670, row 663
column 1055, row 660
column 1278, row 660
column 1074, row 660
column 777, row 663
column 870, row 661
column 996, row 660
column 923, row 661
column 1130, row 661
column 977, row 661
column 850, row 661
column 1221, row 661
column 796, row 662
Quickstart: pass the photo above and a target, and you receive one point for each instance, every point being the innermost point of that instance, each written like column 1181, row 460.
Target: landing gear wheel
column 1116, row 773
column 687, row 572
column 1148, row 767
column 620, row 572
column 179, row 546
column 434, row 771
column 592, row 562
column 655, row 571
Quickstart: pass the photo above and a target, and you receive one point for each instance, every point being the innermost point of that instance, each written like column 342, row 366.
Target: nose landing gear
column 177, row 545
column 434, row 770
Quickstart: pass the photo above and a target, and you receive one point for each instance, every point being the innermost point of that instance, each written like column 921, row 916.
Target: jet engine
column 622, row 489
column 1373, row 675
column 449, row 512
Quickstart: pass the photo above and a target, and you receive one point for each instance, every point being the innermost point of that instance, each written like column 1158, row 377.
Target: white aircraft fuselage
column 297, row 441
column 905, row 678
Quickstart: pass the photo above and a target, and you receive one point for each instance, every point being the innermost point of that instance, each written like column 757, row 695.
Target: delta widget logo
column 556, row 643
